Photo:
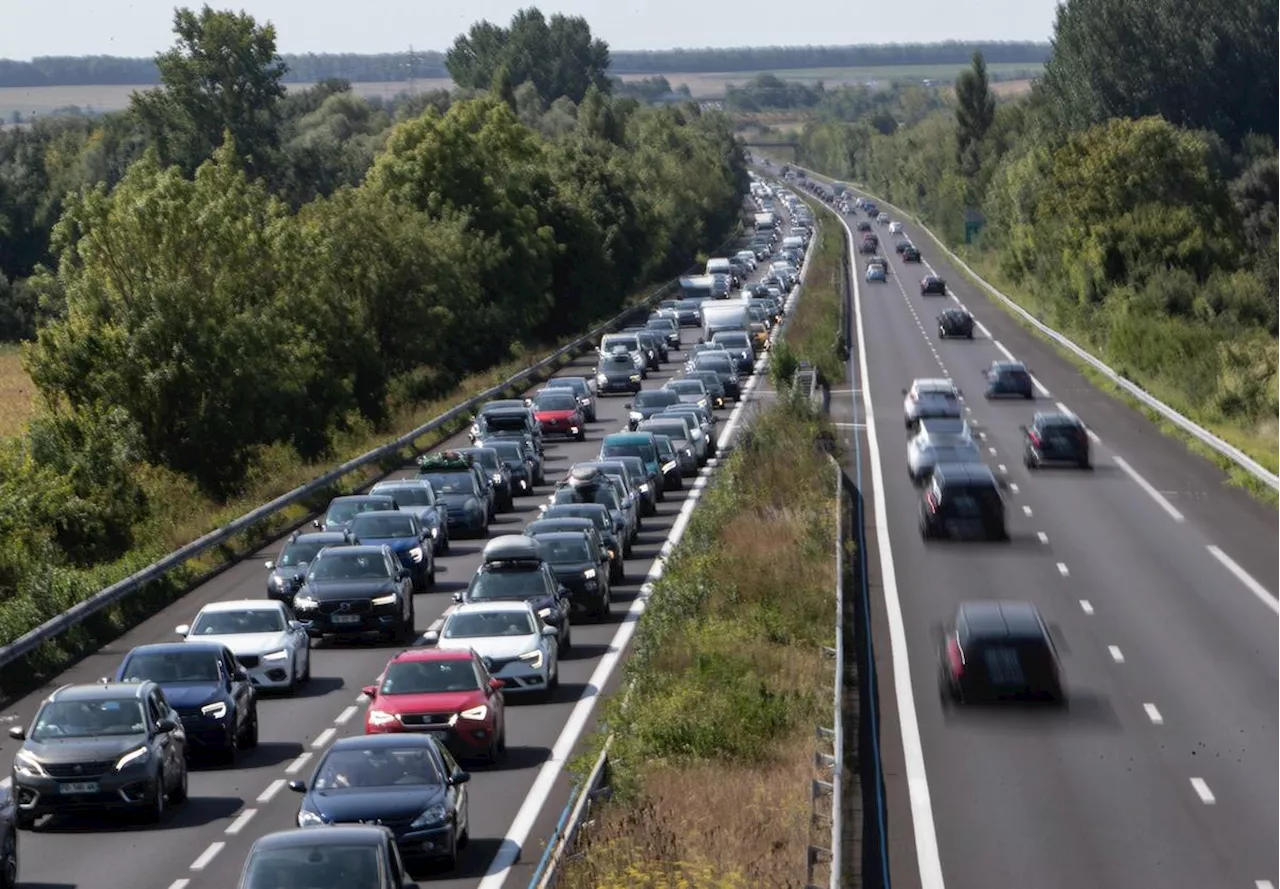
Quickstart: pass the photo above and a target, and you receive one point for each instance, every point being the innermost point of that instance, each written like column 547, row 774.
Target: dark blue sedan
column 1009, row 379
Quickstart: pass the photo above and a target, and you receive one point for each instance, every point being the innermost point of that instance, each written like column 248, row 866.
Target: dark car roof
column 568, row 383
column 347, row 497
column 505, row 412
column 1001, row 620
column 177, row 648
column 1056, row 418
column 955, row 311
column 558, row 525
column 964, row 474
column 553, row 536
column 360, row 549
column 393, row 739
column 102, row 691
column 1007, row 365
column 322, row 536
column 347, row 834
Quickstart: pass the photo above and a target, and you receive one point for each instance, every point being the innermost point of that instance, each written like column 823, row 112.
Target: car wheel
column 450, row 861
column 1028, row 462
column 306, row 671
column 969, row 335
column 25, row 820
column 9, row 861
column 603, row 613
column 1085, row 464
column 581, row 436
column 159, row 801
column 249, row 739
column 431, row 576
column 444, row 543
column 617, row 574
column 179, row 794
column 566, row 645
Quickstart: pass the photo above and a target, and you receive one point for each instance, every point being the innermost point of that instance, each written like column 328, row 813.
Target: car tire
column 9, row 861
column 618, row 574
column 249, row 738
column 306, row 673
column 159, row 802
column 180, row 793
column 581, row 436
column 969, row 335
column 1086, row 465
column 444, row 543
column 605, row 611
column 24, row 820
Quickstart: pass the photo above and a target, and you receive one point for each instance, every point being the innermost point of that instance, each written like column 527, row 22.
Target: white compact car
column 895, row 228
column 273, row 648
column 929, row 398
column 513, row 642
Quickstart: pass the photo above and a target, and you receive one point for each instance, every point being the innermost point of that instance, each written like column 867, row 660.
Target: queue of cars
column 396, row 796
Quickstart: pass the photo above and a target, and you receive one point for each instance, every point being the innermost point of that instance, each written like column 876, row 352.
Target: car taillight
column 1035, row 438
column 914, row 396
column 930, row 501
column 955, row 657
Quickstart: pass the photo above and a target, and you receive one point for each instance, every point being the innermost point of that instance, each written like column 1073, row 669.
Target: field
column 16, row 390
column 41, row 100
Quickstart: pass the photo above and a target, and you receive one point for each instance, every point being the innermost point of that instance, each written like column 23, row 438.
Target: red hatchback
column 447, row 693
column 559, row 413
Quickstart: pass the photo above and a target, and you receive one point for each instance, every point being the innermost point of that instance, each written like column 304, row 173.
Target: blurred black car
column 999, row 651
column 616, row 372
column 344, row 856
column 1055, row 438
column 933, row 284
column 582, row 568
column 1007, row 379
column 488, row 459
column 955, row 322
column 963, row 502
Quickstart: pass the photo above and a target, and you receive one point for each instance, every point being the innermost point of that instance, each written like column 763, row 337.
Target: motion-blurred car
column 932, row 284
column 1009, row 379
column 648, row 403
column 690, row 391
column 926, row 452
column 875, row 272
column 928, row 398
column 870, row 244
column 520, row 650
column 901, row 246
column 962, row 501
column 863, row 225
column 1055, row 438
column 955, row 322
column 911, row 254
column 268, row 643
column 895, row 228
column 999, row 651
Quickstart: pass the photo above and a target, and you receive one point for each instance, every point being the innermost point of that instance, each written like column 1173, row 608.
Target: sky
column 143, row 27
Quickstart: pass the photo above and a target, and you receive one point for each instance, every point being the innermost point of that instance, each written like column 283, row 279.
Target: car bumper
column 462, row 523
column 569, row 430
column 618, row 386
column 519, row 678
column 267, row 674
column 115, row 790
column 324, row 624
column 204, row 733
column 584, row 595
column 464, row 739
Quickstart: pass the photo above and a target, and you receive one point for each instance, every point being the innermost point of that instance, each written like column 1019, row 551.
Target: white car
column 929, row 398
column 883, row 218
column 895, row 228
column 513, row 642
column 924, row 452
column 273, row 648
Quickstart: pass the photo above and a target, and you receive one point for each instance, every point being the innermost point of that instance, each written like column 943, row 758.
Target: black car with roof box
column 999, row 651
column 581, row 567
column 955, row 321
column 1055, row 438
column 963, row 501
column 911, row 254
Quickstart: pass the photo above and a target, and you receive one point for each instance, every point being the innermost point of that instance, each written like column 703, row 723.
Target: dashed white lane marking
column 345, row 716
column 1026, row 511
column 1153, row 714
column 1263, row 884
column 1150, row 490
column 272, row 789
column 1002, row 468
column 982, row 436
column 1245, row 578
column 1202, row 790
column 1062, row 569
column 241, row 820
column 324, row 738
column 208, row 855
column 1086, row 606
column 1003, row 351
column 298, row 764
column 991, row 451
column 1013, row 487
column 180, row 884
column 1042, row 537
column 1116, row 654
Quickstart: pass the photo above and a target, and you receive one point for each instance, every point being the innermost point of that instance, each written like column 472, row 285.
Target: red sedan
column 559, row 413
column 447, row 693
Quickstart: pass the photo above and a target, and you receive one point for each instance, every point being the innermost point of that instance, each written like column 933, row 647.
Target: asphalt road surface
column 1158, row 580
column 202, row 845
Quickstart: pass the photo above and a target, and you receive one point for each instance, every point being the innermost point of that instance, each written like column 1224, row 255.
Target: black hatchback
column 1055, row 438
column 1007, row 379
column 963, row 502
column 955, row 322
column 999, row 651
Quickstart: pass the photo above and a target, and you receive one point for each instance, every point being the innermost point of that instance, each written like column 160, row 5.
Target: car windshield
column 569, row 511
column 655, row 398
column 485, row 457
column 714, row 361
column 629, row 343
column 602, row 494
column 732, row 340
column 574, row 384
column 555, row 401
column 299, row 552
column 410, row 495
column 452, row 482
column 674, row 430
column 499, row 583
column 507, row 451
column 231, row 623
column 376, row 767
column 345, row 510
column 617, row 362
column 710, row 380
column 172, row 666
column 370, row 526
column 320, row 865
column 566, row 551
column 639, row 449
column 429, row 677
column 664, row 447
column 89, row 719
column 688, row 305
column 499, row 623
column 687, row 387
column 348, row 566
column 954, row 453
column 507, row 422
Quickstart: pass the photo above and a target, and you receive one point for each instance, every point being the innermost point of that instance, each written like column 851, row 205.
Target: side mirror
column 166, row 725
column 369, row 691
column 270, row 566
column 459, row 777
column 182, row 629
column 431, row 637
column 315, row 523
column 457, row 597
column 18, row 733
column 298, row 786
column 496, row 685
column 295, row 625
column 627, row 405
column 562, row 592
column 550, row 631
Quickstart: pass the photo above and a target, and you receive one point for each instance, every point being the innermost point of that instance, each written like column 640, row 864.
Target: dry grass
column 17, row 392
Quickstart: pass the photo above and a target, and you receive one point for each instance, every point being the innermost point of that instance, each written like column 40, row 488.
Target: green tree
column 975, row 113
column 503, row 88
column 222, row 75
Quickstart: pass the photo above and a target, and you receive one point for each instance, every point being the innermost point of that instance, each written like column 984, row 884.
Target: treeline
column 1132, row 199
column 399, row 66
column 226, row 289
column 884, row 108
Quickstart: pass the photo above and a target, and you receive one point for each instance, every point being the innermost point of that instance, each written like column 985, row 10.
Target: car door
column 170, row 745
column 494, row 696
column 556, row 591
column 239, row 686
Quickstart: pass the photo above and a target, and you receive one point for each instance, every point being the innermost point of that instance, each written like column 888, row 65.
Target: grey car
column 675, row 429
column 649, row 403
column 924, row 452
column 690, row 391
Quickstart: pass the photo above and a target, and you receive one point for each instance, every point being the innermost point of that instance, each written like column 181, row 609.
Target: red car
column 447, row 693
column 558, row 412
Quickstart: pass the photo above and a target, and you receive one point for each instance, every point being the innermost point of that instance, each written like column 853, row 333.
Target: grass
column 16, row 392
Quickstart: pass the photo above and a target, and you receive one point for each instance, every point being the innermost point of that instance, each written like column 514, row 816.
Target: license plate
column 79, row 787
column 346, row 618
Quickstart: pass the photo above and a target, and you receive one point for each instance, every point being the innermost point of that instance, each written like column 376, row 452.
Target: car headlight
column 635, row 415
column 668, row 467
column 433, row 816
column 644, row 487
column 688, row 452
column 382, row 717
column 216, row 710
column 135, row 757
column 277, row 581
column 305, row 603
column 533, row 659
column 635, row 378
column 544, row 612
column 416, row 554
column 497, row 478
column 589, row 574
column 697, row 435
column 26, row 764
column 702, row 402
column 613, row 554
column 435, row 531
column 388, row 599
column 475, row 713
column 308, row 818
column 602, row 379
column 585, row 402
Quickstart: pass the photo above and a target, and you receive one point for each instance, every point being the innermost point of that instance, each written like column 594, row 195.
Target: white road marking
column 1116, row 654
column 1086, row 606
column 1263, row 884
column 297, row 765
column 180, row 884
column 1026, row 511
column 1042, row 537
column 345, row 716
column 324, row 738
column 1150, row 490
column 1265, row 597
column 1013, row 487
column 208, row 855
column 1062, row 569
column 1093, row 436
column 991, row 451
column 1153, row 714
column 272, row 789
column 1040, row 388
column 241, row 820
column 982, row 436
column 982, row 328
column 1002, row 468
column 1202, row 790
column 1003, row 351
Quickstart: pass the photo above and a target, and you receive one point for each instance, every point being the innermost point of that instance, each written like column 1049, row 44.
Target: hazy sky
column 143, row 27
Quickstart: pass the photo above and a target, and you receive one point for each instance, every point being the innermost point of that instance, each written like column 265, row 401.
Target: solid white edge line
column 1245, row 578
column 208, row 855
column 272, row 789
column 241, row 820
column 1202, row 790
column 1149, row 489
column 922, row 823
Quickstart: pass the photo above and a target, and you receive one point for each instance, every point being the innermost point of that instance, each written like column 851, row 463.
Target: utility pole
column 413, row 67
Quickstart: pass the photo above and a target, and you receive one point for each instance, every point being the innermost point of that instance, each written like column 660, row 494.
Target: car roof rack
column 445, row 461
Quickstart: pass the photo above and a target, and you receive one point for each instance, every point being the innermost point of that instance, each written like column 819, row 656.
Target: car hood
column 422, row 513
column 71, row 750
column 614, row 373
column 692, row 398
column 554, row 415
column 451, row 499
column 493, row 646
column 248, row 643
column 572, row 570
column 347, row 805
column 337, row 589
column 436, row 702
column 396, row 543
column 191, row 694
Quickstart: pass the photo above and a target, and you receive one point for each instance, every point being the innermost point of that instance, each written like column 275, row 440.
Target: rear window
column 972, row 501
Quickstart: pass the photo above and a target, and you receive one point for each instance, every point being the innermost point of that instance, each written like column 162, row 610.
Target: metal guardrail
column 49, row 630
column 1204, row 436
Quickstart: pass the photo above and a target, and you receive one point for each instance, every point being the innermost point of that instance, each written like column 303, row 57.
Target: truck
column 725, row 315
column 765, row 222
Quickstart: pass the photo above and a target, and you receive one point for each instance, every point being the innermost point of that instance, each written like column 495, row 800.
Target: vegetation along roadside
column 220, row 304
column 713, row 746
column 1129, row 201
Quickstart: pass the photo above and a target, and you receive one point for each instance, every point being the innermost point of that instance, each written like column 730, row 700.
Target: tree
column 559, row 57
column 222, row 75
column 503, row 88
column 975, row 113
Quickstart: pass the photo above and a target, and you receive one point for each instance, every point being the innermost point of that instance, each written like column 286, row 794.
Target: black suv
column 581, row 567
column 111, row 745
column 287, row 571
column 999, row 651
column 514, row 570
column 1055, row 438
column 353, row 590
column 963, row 502
column 955, row 322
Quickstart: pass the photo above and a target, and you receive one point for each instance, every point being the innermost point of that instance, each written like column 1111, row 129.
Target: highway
column 202, row 844
column 1158, row 581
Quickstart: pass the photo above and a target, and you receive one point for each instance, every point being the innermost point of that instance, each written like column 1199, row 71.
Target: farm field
column 16, row 392
column 41, row 100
